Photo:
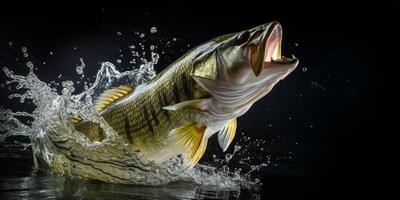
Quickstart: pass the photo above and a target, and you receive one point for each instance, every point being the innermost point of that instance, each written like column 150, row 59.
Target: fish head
column 252, row 55
column 242, row 67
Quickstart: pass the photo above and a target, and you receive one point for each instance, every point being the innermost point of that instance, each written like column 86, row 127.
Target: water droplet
column 304, row 69
column 26, row 55
column 24, row 49
column 153, row 30
column 30, row 65
column 155, row 57
column 152, row 47
column 79, row 70
column 68, row 86
column 119, row 61
column 228, row 157
column 237, row 148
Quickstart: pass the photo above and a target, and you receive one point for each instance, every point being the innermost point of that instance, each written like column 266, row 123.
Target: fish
column 199, row 95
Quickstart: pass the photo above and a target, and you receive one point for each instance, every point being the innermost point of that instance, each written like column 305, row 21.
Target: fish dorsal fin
column 112, row 95
column 227, row 133
column 188, row 140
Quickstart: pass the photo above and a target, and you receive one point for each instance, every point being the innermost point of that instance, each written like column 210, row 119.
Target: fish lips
column 265, row 49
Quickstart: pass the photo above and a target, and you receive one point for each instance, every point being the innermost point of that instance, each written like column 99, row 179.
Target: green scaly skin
column 139, row 117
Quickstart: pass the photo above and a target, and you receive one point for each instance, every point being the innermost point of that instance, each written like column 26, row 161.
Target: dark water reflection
column 56, row 187
column 17, row 182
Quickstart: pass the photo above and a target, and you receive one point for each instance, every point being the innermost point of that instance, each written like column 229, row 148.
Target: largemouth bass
column 200, row 94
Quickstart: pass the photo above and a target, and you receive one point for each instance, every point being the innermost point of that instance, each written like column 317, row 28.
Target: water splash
column 57, row 145
column 79, row 68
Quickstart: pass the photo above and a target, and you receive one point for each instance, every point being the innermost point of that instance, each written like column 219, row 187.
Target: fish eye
column 243, row 36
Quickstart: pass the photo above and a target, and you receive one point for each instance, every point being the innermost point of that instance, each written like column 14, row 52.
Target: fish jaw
column 246, row 70
column 268, row 51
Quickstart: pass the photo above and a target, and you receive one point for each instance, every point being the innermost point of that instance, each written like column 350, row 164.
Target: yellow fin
column 226, row 134
column 111, row 95
column 188, row 140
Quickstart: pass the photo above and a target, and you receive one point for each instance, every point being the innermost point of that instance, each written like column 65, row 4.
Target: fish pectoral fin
column 188, row 140
column 199, row 104
column 111, row 95
column 227, row 133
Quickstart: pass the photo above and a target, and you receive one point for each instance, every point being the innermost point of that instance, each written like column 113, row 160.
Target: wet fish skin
column 140, row 119
column 198, row 95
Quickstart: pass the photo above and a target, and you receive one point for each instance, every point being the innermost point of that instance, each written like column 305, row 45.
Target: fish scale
column 201, row 94
column 143, row 122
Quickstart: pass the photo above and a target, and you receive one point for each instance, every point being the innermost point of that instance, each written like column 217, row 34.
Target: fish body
column 200, row 94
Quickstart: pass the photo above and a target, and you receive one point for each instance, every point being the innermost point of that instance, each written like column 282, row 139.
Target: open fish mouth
column 268, row 53
column 273, row 47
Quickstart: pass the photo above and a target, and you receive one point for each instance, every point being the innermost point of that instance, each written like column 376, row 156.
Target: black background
column 332, row 105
